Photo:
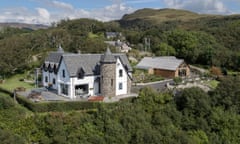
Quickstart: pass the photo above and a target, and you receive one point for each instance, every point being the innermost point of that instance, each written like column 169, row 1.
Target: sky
column 49, row 11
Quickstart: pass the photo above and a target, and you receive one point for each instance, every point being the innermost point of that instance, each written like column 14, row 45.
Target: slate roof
column 112, row 34
column 164, row 62
column 54, row 57
column 52, row 60
column 108, row 57
column 90, row 63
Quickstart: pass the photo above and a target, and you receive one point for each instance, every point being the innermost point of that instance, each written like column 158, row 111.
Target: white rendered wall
column 50, row 77
column 64, row 80
column 85, row 80
column 122, row 79
column 45, row 74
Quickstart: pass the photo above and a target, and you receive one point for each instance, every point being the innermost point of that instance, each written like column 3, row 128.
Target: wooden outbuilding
column 165, row 66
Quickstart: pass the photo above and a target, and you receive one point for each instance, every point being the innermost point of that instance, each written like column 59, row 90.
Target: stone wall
column 108, row 79
column 129, row 85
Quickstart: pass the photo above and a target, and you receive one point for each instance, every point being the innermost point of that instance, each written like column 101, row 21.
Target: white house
column 83, row 75
column 121, row 46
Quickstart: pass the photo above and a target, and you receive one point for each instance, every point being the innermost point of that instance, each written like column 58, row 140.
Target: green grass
column 14, row 81
column 91, row 35
column 233, row 73
column 213, row 83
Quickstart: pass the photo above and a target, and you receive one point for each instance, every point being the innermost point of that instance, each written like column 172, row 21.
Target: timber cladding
column 165, row 73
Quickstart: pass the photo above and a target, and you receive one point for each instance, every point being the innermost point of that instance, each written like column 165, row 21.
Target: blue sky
column 48, row 11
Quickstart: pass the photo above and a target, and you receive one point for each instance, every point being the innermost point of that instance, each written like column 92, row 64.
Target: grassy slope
column 14, row 82
column 163, row 15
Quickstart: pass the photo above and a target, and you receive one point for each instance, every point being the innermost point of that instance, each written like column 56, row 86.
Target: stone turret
column 108, row 74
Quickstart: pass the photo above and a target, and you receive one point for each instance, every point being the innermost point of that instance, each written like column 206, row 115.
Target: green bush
column 177, row 80
column 56, row 106
column 6, row 102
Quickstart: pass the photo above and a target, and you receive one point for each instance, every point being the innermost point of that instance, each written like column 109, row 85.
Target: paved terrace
column 43, row 94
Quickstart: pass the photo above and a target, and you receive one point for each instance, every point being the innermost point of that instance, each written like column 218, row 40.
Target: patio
column 42, row 94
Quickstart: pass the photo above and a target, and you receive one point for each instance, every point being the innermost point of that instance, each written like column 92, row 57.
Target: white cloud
column 53, row 11
column 139, row 1
column 17, row 15
column 61, row 5
column 203, row 6
column 43, row 13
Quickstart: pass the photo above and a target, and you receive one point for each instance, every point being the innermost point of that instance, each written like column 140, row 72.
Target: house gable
column 121, row 78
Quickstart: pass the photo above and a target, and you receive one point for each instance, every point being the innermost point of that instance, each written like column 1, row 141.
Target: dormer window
column 63, row 73
column 55, row 69
column 45, row 67
column 80, row 73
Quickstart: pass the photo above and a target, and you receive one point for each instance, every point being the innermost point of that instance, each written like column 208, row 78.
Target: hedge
column 56, row 105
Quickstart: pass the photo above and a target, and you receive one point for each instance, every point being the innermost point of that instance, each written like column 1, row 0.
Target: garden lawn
column 14, row 82
column 212, row 83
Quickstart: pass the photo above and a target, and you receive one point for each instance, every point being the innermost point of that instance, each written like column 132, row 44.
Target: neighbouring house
column 165, row 66
column 119, row 45
column 83, row 75
column 110, row 35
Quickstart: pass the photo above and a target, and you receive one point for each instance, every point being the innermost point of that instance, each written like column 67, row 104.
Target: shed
column 166, row 66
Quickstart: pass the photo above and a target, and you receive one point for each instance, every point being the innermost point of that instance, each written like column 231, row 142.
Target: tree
column 163, row 49
column 193, row 101
column 7, row 137
column 227, row 94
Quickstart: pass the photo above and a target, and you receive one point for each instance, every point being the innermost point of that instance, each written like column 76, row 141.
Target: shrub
column 177, row 80
column 57, row 105
column 6, row 102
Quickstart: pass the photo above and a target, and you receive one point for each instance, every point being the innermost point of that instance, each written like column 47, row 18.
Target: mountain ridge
column 167, row 14
column 23, row 25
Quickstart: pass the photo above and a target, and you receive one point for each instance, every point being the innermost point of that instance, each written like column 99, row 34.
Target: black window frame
column 63, row 73
column 120, row 86
column 120, row 73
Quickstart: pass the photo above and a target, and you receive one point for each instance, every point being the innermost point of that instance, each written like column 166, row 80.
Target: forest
column 190, row 117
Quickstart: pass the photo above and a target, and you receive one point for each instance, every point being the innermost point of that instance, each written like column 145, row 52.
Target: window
column 81, row 89
column 64, row 89
column 80, row 73
column 46, row 79
column 120, row 73
column 120, row 86
column 111, row 82
column 54, row 81
column 182, row 72
column 63, row 73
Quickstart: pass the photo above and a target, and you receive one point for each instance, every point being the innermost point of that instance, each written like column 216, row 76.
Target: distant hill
column 159, row 16
column 24, row 26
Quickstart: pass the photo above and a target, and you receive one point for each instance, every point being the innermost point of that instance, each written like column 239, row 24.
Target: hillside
column 24, row 26
column 155, row 17
column 162, row 15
